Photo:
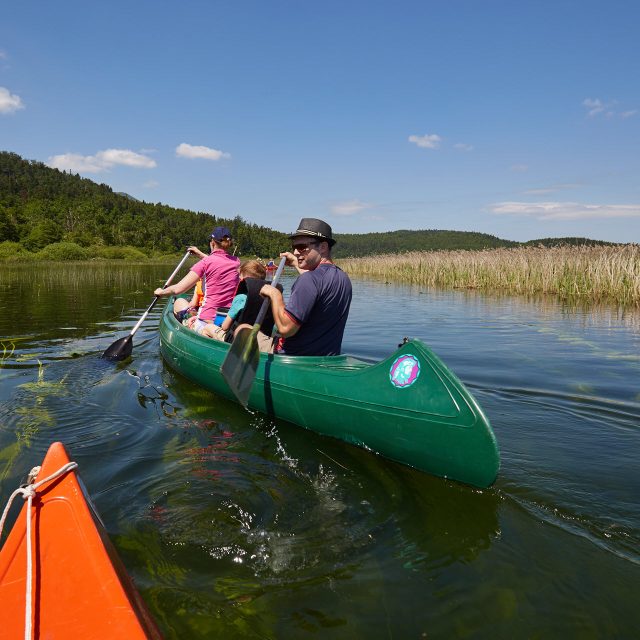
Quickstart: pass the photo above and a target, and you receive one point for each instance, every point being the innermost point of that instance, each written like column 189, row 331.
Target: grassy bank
column 13, row 252
column 71, row 252
column 585, row 273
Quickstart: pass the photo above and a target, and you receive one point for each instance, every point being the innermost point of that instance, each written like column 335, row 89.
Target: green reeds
column 587, row 273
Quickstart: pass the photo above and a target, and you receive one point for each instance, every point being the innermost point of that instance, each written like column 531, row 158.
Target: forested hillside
column 362, row 244
column 365, row 244
column 41, row 206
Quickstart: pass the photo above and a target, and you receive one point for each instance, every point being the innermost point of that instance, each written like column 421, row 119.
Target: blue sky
column 518, row 119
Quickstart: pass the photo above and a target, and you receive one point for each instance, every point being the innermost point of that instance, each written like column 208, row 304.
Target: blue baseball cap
column 219, row 233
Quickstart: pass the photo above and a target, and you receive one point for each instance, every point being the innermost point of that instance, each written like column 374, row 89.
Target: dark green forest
column 42, row 209
column 40, row 206
column 362, row 244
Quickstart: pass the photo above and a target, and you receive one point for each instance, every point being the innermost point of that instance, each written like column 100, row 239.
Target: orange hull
column 80, row 586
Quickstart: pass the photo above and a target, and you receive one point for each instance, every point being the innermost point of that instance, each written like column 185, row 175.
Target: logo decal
column 404, row 371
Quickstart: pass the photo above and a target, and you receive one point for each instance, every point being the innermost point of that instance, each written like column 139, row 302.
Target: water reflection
column 292, row 508
column 235, row 525
column 73, row 301
column 254, row 508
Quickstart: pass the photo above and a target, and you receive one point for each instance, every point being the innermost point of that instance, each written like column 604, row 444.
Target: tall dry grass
column 570, row 272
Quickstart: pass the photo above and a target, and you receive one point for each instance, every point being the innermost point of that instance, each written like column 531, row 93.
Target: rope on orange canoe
column 28, row 492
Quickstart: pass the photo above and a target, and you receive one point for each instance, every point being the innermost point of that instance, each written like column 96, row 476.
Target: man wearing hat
column 219, row 274
column 312, row 321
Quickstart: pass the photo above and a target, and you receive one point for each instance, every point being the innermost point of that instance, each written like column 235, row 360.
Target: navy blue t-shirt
column 319, row 303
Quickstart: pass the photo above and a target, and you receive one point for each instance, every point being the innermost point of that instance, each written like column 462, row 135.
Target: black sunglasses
column 301, row 247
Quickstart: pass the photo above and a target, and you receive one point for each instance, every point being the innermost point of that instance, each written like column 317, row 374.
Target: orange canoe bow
column 80, row 586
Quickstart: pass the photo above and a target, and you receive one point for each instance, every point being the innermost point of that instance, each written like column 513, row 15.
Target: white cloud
column 595, row 107
column 519, row 168
column 428, row 141
column 111, row 157
column 461, row 146
column 101, row 161
column 185, row 150
column 77, row 163
column 9, row 102
column 565, row 210
column 349, row 207
column 552, row 189
column 151, row 184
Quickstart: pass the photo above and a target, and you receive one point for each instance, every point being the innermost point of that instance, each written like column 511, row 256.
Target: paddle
column 121, row 348
column 241, row 362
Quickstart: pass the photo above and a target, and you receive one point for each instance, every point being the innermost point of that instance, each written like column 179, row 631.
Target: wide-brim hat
column 314, row 228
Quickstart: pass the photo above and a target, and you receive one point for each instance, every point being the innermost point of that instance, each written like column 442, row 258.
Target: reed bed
column 588, row 273
column 116, row 274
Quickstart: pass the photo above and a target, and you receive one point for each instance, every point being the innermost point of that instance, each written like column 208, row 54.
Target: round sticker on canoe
column 404, row 371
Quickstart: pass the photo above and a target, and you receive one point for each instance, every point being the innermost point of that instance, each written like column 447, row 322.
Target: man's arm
column 285, row 324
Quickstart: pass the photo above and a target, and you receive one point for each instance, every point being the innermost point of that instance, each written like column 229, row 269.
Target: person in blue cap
column 219, row 274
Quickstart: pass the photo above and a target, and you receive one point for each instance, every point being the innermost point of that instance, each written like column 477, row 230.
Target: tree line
column 41, row 206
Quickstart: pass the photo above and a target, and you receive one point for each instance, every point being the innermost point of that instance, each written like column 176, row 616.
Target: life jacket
column 200, row 293
column 251, row 287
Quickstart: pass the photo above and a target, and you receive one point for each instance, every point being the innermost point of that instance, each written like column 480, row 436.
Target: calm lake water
column 236, row 526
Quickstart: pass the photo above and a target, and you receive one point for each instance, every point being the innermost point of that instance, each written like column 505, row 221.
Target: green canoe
column 409, row 407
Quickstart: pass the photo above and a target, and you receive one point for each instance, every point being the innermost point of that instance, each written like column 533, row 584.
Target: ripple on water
column 578, row 467
column 234, row 525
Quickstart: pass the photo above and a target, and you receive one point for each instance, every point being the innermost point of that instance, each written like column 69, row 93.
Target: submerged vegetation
column 593, row 273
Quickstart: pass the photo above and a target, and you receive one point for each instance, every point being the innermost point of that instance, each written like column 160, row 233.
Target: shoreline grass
column 585, row 273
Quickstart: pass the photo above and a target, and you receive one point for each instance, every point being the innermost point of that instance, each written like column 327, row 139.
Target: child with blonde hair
column 245, row 306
